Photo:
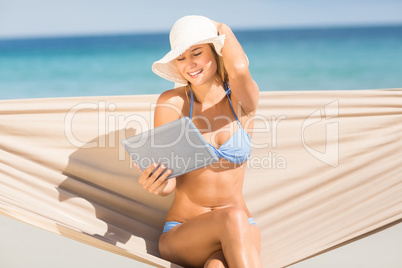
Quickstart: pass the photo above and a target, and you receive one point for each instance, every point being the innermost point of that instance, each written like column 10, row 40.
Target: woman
column 208, row 224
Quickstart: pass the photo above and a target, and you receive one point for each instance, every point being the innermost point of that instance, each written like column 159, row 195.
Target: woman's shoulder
column 176, row 96
column 171, row 105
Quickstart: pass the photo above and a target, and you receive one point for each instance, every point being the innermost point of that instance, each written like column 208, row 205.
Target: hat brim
column 167, row 69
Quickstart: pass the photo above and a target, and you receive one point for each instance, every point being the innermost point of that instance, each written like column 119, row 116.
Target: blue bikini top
column 236, row 149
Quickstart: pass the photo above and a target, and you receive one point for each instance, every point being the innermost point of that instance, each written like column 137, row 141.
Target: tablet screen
column 179, row 145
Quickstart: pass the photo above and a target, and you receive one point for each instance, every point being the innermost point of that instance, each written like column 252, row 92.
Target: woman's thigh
column 193, row 242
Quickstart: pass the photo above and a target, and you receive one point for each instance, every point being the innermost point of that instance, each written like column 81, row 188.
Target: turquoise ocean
column 350, row 58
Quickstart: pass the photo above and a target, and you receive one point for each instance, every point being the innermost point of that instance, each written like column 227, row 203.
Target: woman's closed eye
column 195, row 54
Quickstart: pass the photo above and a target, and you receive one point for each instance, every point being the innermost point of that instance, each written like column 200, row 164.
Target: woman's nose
column 190, row 63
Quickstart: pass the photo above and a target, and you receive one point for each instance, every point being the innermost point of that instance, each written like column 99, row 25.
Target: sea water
column 350, row 58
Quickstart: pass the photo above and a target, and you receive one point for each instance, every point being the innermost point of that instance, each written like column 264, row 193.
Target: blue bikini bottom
column 170, row 224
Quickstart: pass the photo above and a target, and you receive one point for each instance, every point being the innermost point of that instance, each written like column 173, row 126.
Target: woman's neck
column 210, row 93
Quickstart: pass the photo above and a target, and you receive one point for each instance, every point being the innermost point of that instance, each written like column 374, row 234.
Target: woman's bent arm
column 242, row 85
column 152, row 179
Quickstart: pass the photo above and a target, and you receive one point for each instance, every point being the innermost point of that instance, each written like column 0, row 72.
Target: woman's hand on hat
column 217, row 25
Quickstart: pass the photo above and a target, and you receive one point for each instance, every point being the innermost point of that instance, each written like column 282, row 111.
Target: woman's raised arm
column 243, row 87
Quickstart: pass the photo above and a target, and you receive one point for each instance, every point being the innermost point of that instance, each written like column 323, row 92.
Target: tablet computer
column 179, row 145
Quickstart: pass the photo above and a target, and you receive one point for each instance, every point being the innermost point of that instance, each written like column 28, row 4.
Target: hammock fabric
column 326, row 169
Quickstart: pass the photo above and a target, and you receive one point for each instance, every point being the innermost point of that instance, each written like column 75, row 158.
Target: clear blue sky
column 27, row 18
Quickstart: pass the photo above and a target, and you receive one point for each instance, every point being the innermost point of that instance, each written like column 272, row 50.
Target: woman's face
column 197, row 65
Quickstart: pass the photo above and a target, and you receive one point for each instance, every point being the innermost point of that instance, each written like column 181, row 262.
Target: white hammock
column 326, row 169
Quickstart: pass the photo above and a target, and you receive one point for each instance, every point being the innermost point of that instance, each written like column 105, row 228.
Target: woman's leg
column 193, row 242
column 216, row 260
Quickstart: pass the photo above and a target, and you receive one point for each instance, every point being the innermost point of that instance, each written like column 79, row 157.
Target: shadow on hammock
column 101, row 173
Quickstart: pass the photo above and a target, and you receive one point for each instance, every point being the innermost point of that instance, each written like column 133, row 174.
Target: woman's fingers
column 160, row 183
column 146, row 173
column 154, row 177
column 158, row 189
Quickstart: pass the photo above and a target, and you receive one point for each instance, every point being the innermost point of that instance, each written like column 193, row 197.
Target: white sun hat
column 186, row 32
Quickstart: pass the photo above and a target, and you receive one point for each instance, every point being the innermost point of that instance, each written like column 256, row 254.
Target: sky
column 43, row 18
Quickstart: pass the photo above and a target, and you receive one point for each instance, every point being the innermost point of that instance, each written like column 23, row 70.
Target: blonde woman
column 208, row 224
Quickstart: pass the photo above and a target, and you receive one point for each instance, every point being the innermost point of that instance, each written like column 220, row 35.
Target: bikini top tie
column 236, row 149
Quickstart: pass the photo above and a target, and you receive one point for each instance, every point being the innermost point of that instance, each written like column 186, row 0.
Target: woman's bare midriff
column 208, row 189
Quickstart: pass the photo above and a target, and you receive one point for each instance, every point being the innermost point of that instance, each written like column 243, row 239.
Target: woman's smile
column 194, row 74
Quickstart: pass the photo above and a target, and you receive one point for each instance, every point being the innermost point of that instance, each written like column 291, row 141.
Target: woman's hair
column 221, row 67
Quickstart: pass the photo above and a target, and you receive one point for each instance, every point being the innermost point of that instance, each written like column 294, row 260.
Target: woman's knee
column 214, row 264
column 234, row 220
column 216, row 260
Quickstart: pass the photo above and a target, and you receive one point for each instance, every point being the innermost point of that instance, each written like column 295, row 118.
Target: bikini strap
column 191, row 104
column 228, row 91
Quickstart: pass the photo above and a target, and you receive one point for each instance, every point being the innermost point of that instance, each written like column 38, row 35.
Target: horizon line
column 163, row 32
